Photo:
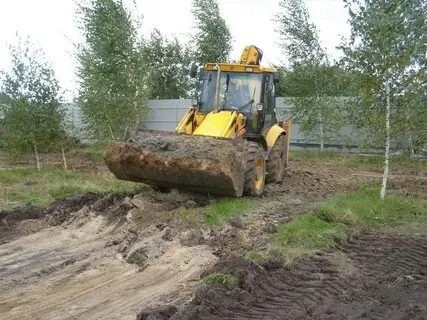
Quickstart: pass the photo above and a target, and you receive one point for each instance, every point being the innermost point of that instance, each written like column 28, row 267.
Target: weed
column 224, row 279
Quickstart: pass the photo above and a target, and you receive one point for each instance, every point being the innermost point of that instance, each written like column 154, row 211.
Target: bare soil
column 111, row 256
column 372, row 277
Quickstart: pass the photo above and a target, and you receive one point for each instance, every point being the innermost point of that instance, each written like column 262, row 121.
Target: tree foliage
column 168, row 63
column 111, row 72
column 213, row 38
column 308, row 76
column 387, row 45
column 299, row 38
column 33, row 117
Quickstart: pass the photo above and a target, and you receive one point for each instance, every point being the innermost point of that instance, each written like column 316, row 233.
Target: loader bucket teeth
column 195, row 163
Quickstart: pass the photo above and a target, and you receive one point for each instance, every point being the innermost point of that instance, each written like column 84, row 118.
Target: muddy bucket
column 195, row 163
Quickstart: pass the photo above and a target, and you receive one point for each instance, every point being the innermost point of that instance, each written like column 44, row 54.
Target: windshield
column 236, row 90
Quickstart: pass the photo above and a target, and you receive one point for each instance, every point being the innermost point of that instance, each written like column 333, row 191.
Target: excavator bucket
column 195, row 163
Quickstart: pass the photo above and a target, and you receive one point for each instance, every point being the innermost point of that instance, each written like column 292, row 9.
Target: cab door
column 269, row 102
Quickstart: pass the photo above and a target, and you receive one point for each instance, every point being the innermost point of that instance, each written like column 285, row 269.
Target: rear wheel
column 276, row 161
column 255, row 170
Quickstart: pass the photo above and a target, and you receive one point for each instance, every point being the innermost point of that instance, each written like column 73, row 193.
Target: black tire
column 276, row 161
column 255, row 170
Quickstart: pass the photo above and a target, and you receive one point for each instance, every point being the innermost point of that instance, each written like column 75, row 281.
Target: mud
column 372, row 277
column 199, row 164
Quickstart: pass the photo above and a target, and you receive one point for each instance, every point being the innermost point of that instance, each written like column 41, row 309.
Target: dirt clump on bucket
column 200, row 164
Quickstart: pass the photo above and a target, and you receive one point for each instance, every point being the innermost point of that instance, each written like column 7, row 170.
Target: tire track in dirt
column 372, row 277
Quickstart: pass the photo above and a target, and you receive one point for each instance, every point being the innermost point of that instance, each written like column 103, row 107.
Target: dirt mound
column 77, row 267
column 28, row 219
column 64, row 206
column 374, row 277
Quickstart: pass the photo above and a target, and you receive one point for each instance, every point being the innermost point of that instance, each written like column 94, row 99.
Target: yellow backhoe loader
column 228, row 143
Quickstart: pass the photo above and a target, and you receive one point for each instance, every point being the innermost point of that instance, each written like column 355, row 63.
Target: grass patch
column 221, row 211
column 351, row 212
column 96, row 153
column 22, row 186
column 308, row 233
column 365, row 209
column 253, row 255
column 223, row 279
column 360, row 161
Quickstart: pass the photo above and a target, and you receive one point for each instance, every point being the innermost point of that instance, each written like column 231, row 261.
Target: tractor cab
column 249, row 90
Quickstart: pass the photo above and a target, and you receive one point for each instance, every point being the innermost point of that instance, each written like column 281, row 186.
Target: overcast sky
column 50, row 24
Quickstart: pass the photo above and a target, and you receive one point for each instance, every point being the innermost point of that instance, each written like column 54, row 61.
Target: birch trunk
column 138, row 121
column 64, row 159
column 37, row 158
column 322, row 134
column 387, row 145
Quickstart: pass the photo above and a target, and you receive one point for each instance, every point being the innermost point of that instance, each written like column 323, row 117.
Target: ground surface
column 373, row 277
column 111, row 256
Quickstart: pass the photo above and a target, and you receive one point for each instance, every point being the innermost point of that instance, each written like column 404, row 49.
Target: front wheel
column 255, row 170
column 276, row 161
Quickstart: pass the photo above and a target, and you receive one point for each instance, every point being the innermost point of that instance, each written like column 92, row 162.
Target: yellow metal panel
column 273, row 133
column 250, row 55
column 185, row 121
column 199, row 118
column 230, row 67
column 216, row 124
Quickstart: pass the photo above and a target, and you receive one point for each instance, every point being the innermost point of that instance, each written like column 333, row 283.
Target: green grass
column 310, row 232
column 52, row 183
column 253, row 255
column 349, row 213
column 367, row 211
column 221, row 211
column 224, row 279
column 360, row 161
column 96, row 152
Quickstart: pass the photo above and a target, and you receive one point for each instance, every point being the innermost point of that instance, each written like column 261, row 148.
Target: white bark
column 322, row 134
column 111, row 132
column 387, row 145
column 37, row 158
column 64, row 159
column 138, row 121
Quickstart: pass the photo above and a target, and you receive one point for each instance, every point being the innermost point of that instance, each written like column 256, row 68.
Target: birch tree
column 387, row 46
column 33, row 117
column 308, row 68
column 212, row 40
column 111, row 72
column 168, row 63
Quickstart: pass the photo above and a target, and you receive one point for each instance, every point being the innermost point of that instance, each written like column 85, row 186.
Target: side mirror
column 193, row 70
column 276, row 77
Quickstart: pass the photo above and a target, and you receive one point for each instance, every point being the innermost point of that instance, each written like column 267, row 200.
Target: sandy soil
column 92, row 267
